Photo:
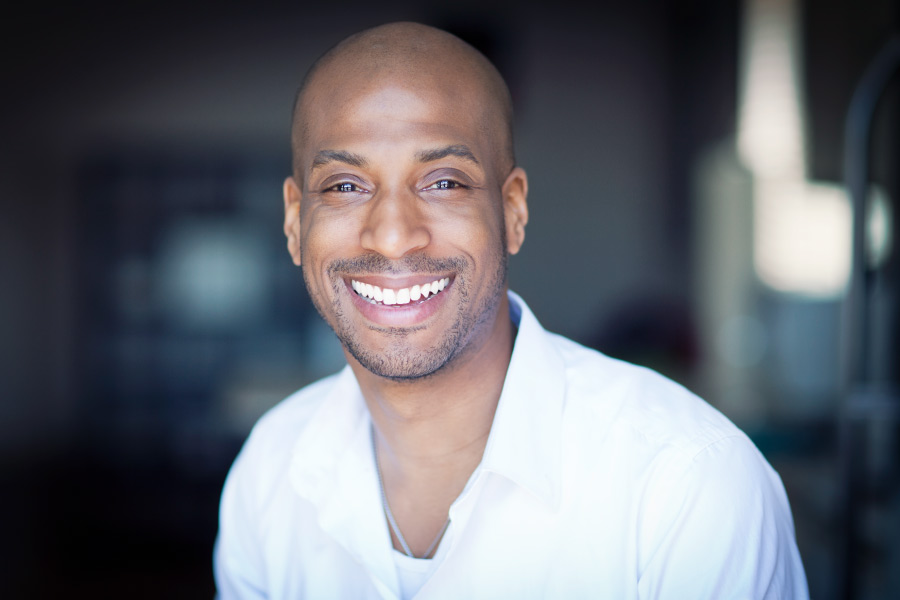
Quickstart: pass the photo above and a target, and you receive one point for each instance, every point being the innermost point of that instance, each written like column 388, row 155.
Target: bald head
column 411, row 55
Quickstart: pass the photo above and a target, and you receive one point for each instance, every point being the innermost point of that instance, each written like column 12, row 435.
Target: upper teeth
column 399, row 296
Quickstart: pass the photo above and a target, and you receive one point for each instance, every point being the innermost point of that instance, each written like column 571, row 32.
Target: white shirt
column 599, row 479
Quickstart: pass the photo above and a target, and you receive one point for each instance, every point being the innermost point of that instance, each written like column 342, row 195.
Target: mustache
column 376, row 263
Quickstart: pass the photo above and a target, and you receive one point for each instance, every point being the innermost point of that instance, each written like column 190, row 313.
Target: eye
column 345, row 187
column 445, row 184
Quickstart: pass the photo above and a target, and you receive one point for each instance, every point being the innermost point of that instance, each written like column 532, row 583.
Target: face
column 402, row 221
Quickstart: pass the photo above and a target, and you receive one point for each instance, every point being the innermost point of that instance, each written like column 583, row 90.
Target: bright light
column 770, row 129
column 802, row 236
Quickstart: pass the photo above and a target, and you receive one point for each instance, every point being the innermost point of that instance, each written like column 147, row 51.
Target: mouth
column 385, row 296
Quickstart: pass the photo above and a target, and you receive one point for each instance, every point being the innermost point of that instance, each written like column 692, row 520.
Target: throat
column 398, row 539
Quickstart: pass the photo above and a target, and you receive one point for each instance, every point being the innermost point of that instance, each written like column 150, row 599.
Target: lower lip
column 398, row 315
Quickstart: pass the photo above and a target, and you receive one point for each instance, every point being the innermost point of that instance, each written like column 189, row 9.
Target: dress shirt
column 599, row 479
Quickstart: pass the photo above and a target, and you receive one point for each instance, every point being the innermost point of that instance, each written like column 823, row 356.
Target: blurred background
column 686, row 162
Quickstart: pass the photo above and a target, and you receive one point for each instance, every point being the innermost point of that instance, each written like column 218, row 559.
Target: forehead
column 381, row 110
column 420, row 105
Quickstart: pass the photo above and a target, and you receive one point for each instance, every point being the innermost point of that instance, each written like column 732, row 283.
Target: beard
column 400, row 360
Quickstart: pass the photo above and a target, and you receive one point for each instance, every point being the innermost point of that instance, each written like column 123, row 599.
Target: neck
column 438, row 420
column 430, row 433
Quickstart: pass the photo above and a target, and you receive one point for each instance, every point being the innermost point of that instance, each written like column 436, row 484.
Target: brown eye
column 345, row 187
column 445, row 184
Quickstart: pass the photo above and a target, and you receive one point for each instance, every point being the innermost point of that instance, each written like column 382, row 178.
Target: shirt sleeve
column 718, row 525
column 237, row 561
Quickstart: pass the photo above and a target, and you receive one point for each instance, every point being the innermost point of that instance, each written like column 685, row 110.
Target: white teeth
column 389, row 296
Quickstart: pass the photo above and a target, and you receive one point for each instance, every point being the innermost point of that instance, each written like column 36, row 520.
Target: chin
column 402, row 362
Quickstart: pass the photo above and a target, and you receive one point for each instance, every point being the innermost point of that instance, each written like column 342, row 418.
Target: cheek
column 326, row 235
column 475, row 222
column 480, row 231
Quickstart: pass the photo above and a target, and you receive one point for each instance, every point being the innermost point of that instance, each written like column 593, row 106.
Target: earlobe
column 292, row 197
column 515, row 208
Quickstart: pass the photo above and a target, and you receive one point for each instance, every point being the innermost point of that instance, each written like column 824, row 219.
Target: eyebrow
column 460, row 150
column 326, row 156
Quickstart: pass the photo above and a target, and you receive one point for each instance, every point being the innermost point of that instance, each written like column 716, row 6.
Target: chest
column 502, row 544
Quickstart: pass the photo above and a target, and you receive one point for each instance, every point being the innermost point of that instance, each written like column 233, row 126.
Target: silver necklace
column 392, row 523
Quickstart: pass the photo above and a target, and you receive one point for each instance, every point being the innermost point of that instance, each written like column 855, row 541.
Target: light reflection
column 802, row 237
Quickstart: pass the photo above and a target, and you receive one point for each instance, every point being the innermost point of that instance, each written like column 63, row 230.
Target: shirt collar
column 525, row 443
column 332, row 455
column 332, row 468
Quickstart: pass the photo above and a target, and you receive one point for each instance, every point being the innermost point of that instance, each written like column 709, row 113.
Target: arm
column 237, row 561
column 718, row 525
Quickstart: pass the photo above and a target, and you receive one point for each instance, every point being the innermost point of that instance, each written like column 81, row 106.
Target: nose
column 395, row 224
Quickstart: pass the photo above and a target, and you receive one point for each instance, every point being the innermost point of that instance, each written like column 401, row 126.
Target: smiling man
column 465, row 452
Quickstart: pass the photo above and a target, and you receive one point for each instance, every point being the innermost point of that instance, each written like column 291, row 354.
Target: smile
column 388, row 296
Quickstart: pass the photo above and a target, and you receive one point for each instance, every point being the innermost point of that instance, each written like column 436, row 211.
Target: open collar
column 333, row 466
column 525, row 443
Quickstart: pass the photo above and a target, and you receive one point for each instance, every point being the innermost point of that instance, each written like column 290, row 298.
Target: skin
column 403, row 174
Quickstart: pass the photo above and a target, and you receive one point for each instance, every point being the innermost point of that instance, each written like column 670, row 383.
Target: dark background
column 149, row 312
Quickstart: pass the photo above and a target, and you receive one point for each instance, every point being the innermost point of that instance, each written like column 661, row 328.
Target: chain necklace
column 392, row 523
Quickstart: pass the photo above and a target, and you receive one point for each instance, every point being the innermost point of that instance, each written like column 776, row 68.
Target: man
column 466, row 452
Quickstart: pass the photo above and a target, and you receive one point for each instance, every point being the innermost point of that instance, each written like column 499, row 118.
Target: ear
column 515, row 208
column 292, row 198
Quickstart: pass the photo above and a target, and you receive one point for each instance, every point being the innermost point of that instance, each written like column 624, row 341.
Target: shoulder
column 698, row 484
column 726, row 503
column 257, row 489
column 259, row 474
column 291, row 415
column 668, row 442
column 270, row 444
column 625, row 399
